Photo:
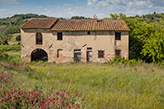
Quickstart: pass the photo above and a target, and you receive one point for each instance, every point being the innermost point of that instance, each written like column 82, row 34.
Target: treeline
column 146, row 36
column 80, row 17
column 146, row 39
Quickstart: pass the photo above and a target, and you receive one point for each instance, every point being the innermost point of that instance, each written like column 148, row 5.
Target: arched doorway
column 39, row 55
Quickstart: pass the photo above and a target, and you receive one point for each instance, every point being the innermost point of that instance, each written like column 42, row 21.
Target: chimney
column 95, row 17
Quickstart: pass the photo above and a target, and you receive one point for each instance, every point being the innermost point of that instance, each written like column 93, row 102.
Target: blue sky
column 87, row 8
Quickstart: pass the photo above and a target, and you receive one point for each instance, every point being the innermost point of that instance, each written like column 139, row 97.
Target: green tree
column 4, row 36
column 115, row 16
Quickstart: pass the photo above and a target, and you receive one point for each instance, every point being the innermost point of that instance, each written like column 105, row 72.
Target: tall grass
column 101, row 85
column 118, row 84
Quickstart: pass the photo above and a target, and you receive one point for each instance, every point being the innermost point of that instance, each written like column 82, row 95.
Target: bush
column 10, row 47
column 37, row 99
column 119, row 60
column 4, row 56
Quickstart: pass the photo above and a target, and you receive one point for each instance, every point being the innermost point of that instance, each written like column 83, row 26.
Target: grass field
column 103, row 86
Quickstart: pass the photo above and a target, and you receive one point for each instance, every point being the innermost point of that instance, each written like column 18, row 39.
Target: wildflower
column 78, row 106
column 56, row 98
column 6, row 100
column 24, row 92
column 38, row 101
column 1, row 100
column 68, row 107
column 83, row 99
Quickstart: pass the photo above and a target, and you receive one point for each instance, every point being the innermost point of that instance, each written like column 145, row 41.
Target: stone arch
column 39, row 55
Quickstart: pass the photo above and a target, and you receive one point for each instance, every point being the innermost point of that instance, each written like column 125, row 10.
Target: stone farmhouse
column 62, row 41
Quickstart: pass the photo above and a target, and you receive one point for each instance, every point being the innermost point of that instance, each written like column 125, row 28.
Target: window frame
column 59, row 36
column 117, row 37
column 118, row 50
column 101, row 53
column 39, row 38
column 77, row 52
column 58, row 52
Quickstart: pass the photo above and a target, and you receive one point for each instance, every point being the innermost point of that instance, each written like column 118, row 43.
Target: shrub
column 4, row 56
column 119, row 60
column 37, row 99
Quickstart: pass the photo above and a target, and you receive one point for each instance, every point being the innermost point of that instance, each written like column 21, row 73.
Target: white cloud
column 1, row 10
column 40, row 7
column 75, row 0
column 139, row 4
column 45, row 9
column 68, row 4
column 6, row 2
column 69, row 9
column 121, row 5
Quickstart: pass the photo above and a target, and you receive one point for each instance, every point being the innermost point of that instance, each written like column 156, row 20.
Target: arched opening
column 39, row 55
column 38, row 38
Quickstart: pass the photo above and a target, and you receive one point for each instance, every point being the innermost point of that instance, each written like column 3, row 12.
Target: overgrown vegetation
column 112, row 85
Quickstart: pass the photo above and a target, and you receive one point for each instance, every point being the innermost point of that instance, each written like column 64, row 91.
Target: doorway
column 89, row 56
column 39, row 55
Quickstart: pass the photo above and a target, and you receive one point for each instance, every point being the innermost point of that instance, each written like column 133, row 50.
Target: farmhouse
column 62, row 41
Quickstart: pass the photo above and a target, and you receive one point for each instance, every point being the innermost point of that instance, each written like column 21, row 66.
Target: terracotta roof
column 40, row 23
column 90, row 25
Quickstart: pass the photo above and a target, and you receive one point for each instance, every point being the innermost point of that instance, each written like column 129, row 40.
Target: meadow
column 115, row 85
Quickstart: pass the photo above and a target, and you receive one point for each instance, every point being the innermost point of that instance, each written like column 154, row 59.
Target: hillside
column 13, row 23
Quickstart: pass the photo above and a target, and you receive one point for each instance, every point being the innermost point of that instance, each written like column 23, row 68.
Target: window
column 76, row 50
column 100, row 54
column 77, row 55
column 89, row 48
column 88, row 32
column 38, row 38
column 118, row 52
column 59, row 52
column 59, row 36
column 117, row 36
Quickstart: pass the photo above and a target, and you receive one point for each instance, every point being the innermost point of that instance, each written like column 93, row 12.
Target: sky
column 87, row 8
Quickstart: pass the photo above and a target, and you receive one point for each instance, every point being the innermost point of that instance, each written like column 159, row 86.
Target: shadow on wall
column 39, row 55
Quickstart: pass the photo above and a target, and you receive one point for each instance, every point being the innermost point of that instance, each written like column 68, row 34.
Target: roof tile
column 40, row 23
column 90, row 25
column 77, row 25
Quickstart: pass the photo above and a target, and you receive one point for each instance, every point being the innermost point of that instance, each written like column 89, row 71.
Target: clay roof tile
column 40, row 23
